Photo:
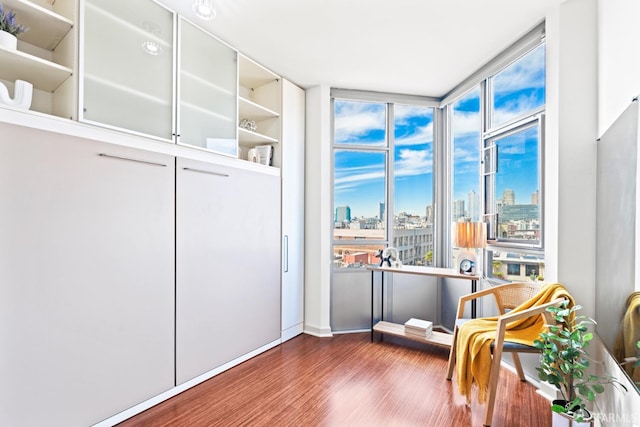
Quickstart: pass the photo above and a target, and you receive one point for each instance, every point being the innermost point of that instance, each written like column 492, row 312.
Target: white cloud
column 403, row 112
column 413, row 162
column 514, row 107
column 465, row 123
column 527, row 72
column 465, row 154
column 356, row 119
column 422, row 135
column 349, row 178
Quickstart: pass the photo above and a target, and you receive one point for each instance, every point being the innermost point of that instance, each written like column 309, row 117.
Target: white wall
column 570, row 149
column 619, row 58
column 618, row 83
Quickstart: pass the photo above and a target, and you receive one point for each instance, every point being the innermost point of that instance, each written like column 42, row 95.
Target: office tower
column 343, row 214
column 458, row 209
column 474, row 206
column 508, row 197
column 429, row 214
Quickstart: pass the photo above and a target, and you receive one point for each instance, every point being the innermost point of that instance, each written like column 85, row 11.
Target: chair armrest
column 469, row 297
column 505, row 319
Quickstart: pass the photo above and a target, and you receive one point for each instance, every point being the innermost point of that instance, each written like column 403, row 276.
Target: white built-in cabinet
column 227, row 265
column 135, row 260
column 293, row 129
column 86, row 278
column 214, row 88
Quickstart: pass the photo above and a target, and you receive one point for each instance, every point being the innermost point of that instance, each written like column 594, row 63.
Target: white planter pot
column 563, row 420
column 8, row 41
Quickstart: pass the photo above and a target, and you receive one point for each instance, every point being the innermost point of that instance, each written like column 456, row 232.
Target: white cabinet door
column 228, row 257
column 86, row 278
column 127, row 59
column 293, row 115
column 207, row 90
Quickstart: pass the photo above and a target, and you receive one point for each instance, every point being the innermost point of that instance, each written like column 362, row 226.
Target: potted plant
column 9, row 28
column 564, row 363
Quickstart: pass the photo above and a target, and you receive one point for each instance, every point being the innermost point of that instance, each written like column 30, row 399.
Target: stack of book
column 418, row 327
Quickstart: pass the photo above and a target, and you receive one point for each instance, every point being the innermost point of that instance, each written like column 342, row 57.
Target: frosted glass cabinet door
column 207, row 91
column 128, row 66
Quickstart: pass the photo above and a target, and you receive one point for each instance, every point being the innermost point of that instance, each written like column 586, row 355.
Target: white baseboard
column 291, row 332
column 143, row 406
column 352, row 331
column 318, row 332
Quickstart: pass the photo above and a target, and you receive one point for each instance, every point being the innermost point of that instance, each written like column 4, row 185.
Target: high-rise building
column 508, row 197
column 534, row 197
column 458, row 209
column 381, row 211
column 519, row 213
column 343, row 214
column 474, row 206
column 429, row 214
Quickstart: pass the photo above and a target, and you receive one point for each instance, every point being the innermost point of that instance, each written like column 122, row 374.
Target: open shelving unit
column 46, row 53
column 46, row 27
column 41, row 73
column 259, row 100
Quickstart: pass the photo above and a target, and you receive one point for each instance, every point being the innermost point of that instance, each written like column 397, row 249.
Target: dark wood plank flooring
column 344, row 381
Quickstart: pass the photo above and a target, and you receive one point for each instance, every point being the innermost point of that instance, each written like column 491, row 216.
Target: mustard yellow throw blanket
column 473, row 363
column 629, row 335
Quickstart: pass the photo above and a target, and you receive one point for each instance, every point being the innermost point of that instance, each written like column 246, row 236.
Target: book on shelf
column 419, row 327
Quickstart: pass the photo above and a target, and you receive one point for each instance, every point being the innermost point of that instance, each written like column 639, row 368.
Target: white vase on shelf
column 22, row 95
column 8, row 40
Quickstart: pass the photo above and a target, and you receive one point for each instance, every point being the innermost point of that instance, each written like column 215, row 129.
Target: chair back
column 512, row 295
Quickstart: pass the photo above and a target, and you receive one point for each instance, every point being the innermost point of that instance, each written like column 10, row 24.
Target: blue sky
column 359, row 176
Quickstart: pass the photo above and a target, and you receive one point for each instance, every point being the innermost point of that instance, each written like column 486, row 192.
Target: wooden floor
column 344, row 381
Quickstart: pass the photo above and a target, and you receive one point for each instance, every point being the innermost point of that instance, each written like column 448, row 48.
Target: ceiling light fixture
column 152, row 48
column 204, row 9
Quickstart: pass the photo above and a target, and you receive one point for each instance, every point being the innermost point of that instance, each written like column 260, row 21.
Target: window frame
column 482, row 79
column 537, row 119
column 390, row 100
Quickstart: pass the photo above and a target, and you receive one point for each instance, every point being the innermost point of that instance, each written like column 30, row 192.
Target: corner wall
column 317, row 229
column 570, row 149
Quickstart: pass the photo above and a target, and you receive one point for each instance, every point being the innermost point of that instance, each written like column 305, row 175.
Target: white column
column 318, row 169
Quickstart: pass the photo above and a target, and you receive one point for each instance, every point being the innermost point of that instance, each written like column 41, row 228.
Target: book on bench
column 422, row 328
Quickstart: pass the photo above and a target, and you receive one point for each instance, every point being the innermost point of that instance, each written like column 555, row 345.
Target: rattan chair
column 506, row 297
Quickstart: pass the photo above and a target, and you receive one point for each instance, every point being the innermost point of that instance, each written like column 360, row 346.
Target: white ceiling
column 421, row 47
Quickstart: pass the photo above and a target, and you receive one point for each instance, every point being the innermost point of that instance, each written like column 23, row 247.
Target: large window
column 413, row 184
column 512, row 164
column 518, row 89
column 383, row 182
column 493, row 149
column 497, row 147
column 466, row 128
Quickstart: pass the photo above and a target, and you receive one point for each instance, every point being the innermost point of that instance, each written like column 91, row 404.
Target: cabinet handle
column 204, row 171
column 132, row 160
column 286, row 253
